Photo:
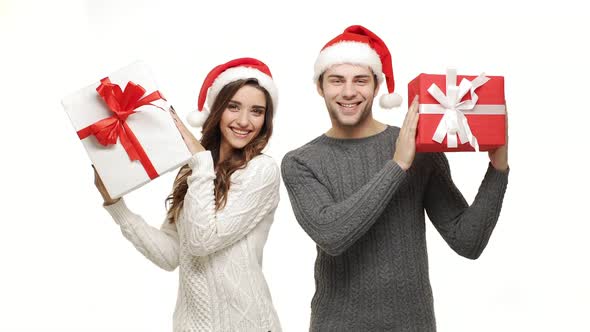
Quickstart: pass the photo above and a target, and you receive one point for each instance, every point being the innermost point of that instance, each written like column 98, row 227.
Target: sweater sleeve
column 466, row 229
column 253, row 195
column 335, row 225
column 158, row 245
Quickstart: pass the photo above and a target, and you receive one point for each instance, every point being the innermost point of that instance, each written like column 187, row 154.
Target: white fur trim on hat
column 238, row 73
column 390, row 100
column 196, row 118
column 352, row 52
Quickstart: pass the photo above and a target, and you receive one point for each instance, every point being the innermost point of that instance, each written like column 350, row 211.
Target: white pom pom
column 390, row 100
column 196, row 118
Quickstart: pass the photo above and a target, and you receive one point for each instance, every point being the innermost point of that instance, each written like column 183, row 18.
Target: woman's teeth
column 240, row 132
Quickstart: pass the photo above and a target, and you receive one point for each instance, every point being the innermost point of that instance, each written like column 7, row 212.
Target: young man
column 360, row 192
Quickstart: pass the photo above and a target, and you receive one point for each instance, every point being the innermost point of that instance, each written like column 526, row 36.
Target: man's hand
column 499, row 156
column 405, row 145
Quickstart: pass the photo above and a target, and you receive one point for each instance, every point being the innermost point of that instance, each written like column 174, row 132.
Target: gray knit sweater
column 366, row 216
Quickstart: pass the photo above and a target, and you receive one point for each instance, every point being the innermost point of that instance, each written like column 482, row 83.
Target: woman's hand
column 102, row 190
column 191, row 142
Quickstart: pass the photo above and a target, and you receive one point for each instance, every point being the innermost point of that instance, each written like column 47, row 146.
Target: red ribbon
column 122, row 104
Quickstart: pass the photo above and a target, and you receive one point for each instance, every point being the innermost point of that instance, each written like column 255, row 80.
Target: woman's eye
column 258, row 111
column 232, row 107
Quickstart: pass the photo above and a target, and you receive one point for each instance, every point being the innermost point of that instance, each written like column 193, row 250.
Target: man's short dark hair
column 321, row 81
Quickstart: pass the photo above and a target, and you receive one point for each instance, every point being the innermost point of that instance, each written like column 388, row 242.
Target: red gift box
column 469, row 116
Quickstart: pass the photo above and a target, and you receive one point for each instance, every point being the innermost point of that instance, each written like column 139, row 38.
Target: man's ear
column 318, row 86
column 377, row 85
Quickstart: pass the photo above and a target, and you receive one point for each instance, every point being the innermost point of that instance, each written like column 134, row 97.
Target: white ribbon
column 454, row 122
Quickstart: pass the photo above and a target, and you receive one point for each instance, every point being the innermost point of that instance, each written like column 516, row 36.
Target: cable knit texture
column 221, row 285
column 367, row 218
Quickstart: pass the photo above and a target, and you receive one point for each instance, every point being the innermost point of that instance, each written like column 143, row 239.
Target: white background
column 65, row 264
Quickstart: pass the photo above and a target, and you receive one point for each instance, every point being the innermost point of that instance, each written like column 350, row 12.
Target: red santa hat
column 359, row 46
column 222, row 75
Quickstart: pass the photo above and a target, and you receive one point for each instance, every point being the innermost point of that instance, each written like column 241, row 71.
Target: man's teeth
column 348, row 105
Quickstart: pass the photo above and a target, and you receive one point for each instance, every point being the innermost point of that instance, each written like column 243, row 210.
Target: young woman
column 221, row 207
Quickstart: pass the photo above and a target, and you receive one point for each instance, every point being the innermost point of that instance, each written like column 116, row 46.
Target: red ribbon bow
column 122, row 104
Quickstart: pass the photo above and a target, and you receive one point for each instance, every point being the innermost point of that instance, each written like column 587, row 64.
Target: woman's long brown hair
column 211, row 140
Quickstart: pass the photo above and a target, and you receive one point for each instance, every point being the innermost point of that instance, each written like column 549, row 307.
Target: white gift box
column 152, row 126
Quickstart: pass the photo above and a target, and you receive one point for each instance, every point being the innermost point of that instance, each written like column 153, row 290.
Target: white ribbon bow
column 454, row 122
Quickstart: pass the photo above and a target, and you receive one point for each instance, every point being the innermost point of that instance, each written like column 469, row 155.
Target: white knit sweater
column 221, row 286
